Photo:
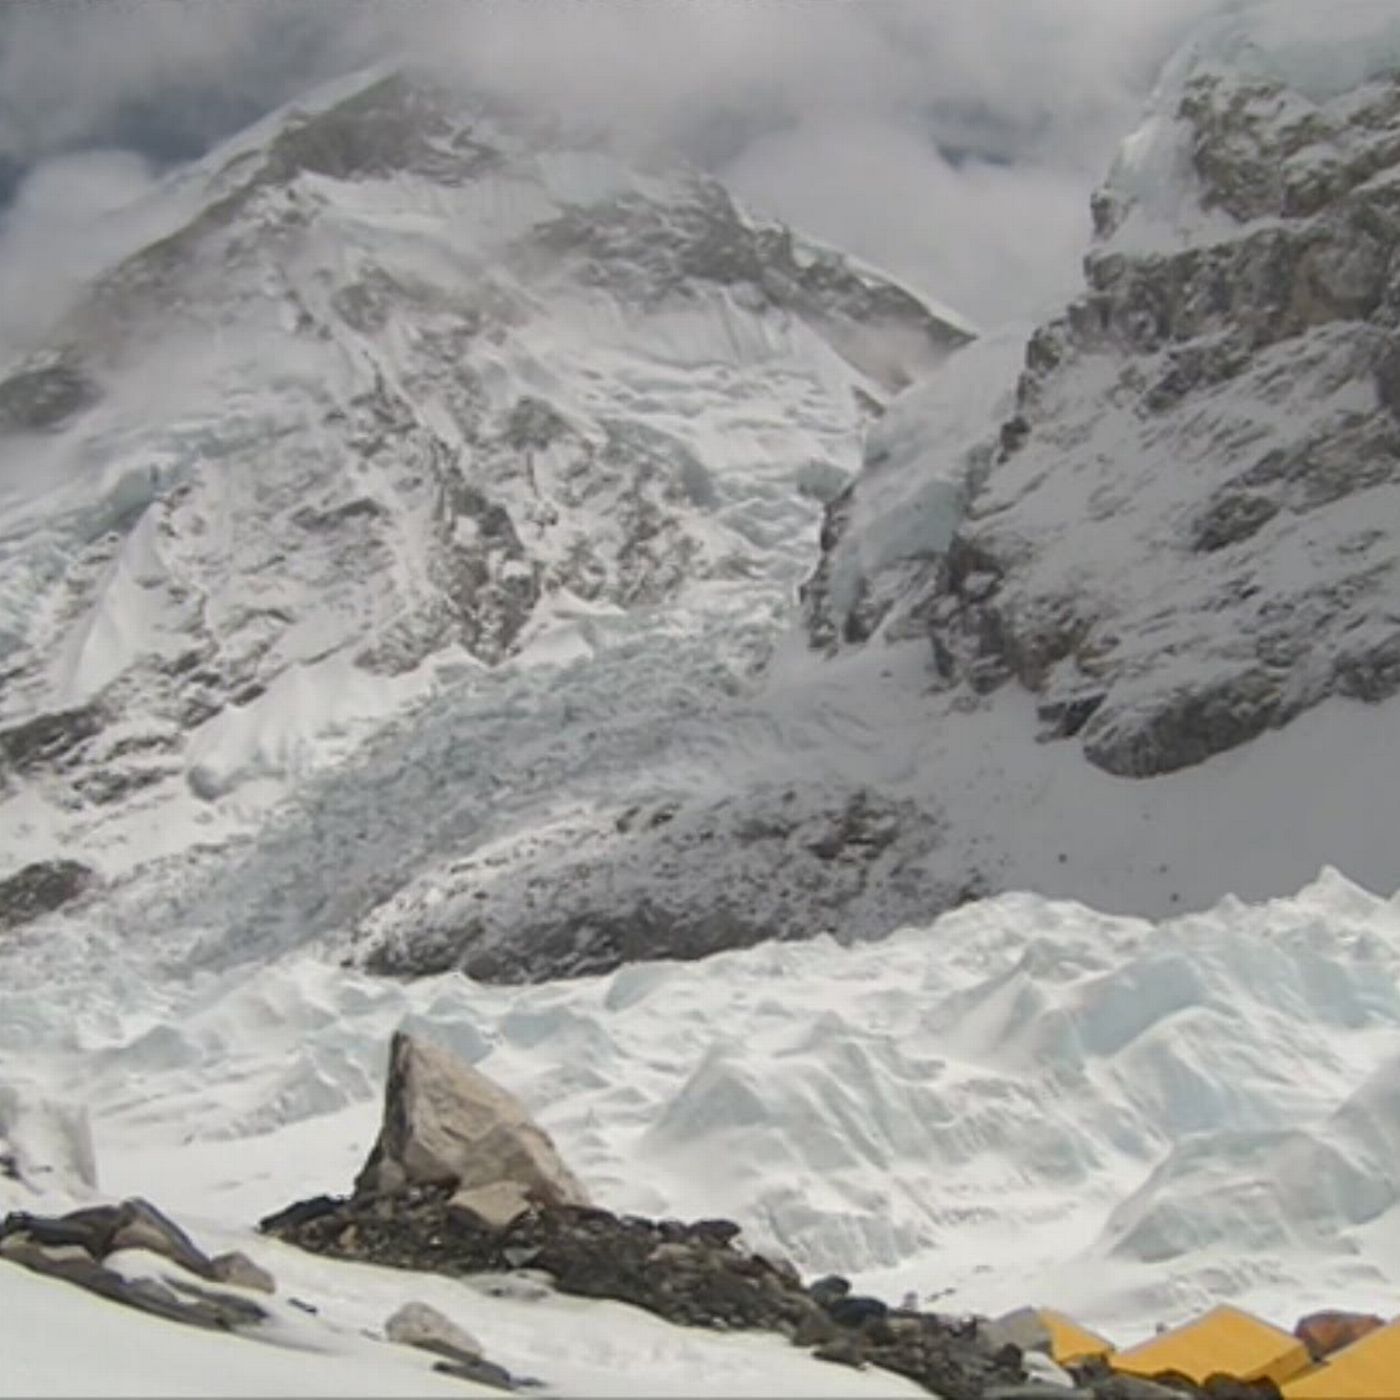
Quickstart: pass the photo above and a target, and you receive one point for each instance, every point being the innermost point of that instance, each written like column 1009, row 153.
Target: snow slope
column 573, row 1347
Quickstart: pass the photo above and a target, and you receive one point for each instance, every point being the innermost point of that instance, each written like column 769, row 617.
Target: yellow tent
column 1069, row 1342
column 1226, row 1341
column 1366, row 1370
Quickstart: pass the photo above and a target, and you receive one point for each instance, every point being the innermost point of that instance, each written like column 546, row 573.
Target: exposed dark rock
column 237, row 1269
column 1103, row 1383
column 1230, row 517
column 34, row 399
column 73, row 1248
column 866, row 852
column 692, row 1274
column 1326, row 1332
column 1186, row 726
column 40, row 888
column 49, row 740
column 227, row 1309
column 1065, row 718
column 102, row 1230
column 857, row 1310
column 480, row 1372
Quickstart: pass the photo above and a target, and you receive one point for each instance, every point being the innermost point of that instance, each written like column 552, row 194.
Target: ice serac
column 1185, row 530
column 406, row 387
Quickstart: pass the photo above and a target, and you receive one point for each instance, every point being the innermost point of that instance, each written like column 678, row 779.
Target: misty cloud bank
column 954, row 143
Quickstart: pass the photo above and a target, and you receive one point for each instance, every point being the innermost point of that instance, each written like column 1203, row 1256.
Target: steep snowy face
column 402, row 384
column 1185, row 531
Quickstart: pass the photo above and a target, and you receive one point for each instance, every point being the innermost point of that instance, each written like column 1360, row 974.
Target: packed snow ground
column 1025, row 1101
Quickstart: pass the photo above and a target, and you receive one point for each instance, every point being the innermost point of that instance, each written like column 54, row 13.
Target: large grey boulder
column 445, row 1123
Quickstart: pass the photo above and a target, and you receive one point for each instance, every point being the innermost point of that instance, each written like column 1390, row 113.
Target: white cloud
column 956, row 142
column 69, row 217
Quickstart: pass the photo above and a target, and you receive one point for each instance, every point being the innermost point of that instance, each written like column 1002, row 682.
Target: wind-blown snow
column 1025, row 1100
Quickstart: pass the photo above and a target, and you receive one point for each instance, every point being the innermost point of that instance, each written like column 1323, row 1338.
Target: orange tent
column 1226, row 1341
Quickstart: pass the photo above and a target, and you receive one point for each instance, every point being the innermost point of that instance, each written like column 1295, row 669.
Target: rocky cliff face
column 1183, row 532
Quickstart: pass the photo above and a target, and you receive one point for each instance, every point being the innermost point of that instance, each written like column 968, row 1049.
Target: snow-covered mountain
column 407, row 388
column 395, row 546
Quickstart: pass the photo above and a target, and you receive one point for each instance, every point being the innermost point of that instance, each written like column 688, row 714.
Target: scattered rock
column 74, row 1264
column 690, row 1274
column 826, row 1290
column 844, row 1349
column 139, row 1225
column 1326, row 1332
column 480, row 1372
column 238, row 1270
column 225, row 1309
column 525, row 1285
column 495, row 1205
column 446, row 1123
column 419, row 1325
column 1024, row 1329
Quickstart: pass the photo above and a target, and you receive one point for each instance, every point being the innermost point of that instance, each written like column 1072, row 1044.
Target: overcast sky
column 953, row 141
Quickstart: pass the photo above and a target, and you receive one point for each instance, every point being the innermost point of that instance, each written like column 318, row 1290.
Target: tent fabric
column 1069, row 1342
column 1226, row 1341
column 1366, row 1370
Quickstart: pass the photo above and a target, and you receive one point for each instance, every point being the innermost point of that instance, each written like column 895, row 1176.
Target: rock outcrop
column 447, row 1124
column 1326, row 1332
column 694, row 1274
column 41, row 887
column 80, row 1248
